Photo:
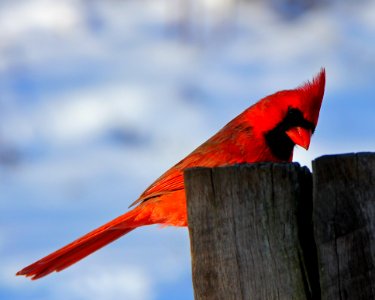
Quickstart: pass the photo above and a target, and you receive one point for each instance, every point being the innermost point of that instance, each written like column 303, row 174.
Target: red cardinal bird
column 265, row 132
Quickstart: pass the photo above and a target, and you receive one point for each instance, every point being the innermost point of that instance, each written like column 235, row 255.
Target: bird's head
column 288, row 118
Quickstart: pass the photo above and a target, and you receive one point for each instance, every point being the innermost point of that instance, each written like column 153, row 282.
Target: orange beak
column 300, row 136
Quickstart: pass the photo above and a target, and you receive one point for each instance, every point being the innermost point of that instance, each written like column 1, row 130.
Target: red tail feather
column 82, row 247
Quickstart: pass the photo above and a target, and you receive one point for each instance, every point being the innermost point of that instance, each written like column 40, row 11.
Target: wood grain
column 251, row 232
column 344, row 217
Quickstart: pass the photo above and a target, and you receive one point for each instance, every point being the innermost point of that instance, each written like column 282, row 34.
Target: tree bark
column 344, row 217
column 251, row 232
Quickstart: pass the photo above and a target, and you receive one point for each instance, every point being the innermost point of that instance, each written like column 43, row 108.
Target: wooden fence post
column 251, row 232
column 344, row 217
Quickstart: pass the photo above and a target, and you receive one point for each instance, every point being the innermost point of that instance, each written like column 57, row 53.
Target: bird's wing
column 222, row 149
column 172, row 180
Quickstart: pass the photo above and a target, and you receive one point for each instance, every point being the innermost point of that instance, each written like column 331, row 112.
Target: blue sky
column 97, row 99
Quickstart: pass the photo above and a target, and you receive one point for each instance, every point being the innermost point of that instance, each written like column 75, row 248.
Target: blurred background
column 98, row 98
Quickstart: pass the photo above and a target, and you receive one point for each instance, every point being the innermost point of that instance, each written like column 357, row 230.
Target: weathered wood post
column 344, row 217
column 251, row 232
column 256, row 233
